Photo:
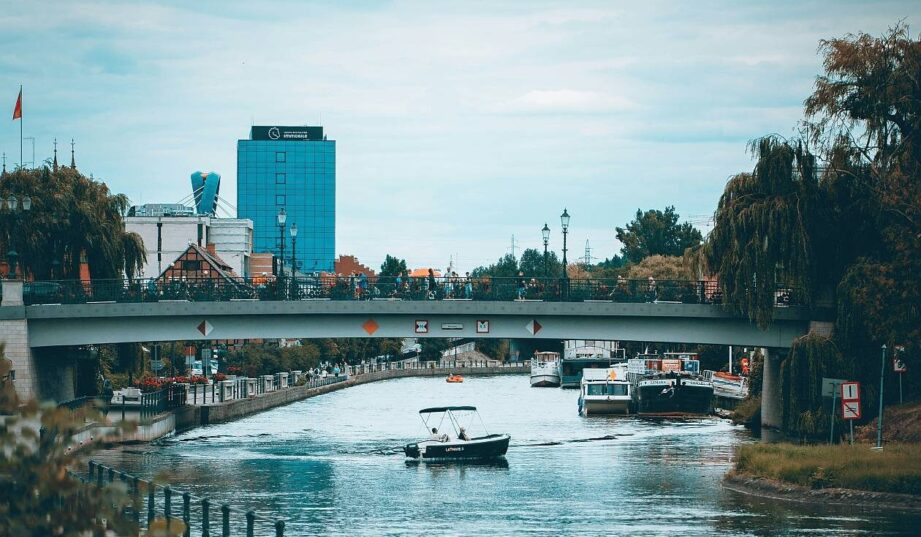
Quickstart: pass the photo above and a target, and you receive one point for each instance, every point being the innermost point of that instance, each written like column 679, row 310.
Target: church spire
column 4, row 164
column 55, row 154
column 73, row 163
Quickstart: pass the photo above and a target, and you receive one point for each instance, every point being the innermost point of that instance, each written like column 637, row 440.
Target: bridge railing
column 218, row 289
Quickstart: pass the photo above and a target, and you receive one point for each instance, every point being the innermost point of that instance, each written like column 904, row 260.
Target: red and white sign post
column 850, row 404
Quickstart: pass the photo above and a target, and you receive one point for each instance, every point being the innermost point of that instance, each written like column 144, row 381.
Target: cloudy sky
column 458, row 124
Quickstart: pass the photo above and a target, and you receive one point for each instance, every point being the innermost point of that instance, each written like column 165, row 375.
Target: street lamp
column 293, row 232
column 282, row 218
column 564, row 222
column 546, row 234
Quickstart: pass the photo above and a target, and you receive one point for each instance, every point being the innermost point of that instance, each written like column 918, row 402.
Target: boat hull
column 602, row 405
column 674, row 397
column 545, row 380
column 482, row 448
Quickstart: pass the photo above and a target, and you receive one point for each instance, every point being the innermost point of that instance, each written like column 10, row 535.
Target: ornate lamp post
column 564, row 223
column 546, row 235
column 293, row 248
column 282, row 218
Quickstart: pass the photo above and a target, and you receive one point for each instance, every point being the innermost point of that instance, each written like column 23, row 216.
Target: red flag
column 17, row 112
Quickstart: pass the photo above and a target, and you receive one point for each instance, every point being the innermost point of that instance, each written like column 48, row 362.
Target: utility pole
column 879, row 422
column 514, row 246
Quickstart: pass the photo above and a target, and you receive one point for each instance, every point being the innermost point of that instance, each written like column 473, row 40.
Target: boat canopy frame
column 448, row 411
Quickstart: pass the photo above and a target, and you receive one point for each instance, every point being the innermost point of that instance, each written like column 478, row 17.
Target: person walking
column 468, row 287
column 522, row 285
column 433, row 284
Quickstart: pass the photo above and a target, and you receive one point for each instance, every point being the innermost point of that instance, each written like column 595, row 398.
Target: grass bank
column 896, row 469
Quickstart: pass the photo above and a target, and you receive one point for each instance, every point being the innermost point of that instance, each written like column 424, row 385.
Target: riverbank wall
column 241, row 408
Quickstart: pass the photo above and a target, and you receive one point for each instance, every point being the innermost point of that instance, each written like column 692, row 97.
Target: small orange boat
column 454, row 378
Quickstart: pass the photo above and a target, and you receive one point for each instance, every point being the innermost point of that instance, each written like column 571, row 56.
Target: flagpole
column 20, row 126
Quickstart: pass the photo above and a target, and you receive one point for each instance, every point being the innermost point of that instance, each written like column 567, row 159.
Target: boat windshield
column 606, row 389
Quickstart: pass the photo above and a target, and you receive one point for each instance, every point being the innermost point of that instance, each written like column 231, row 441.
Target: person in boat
column 438, row 437
column 462, row 435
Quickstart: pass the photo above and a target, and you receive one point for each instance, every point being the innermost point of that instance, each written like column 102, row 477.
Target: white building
column 167, row 237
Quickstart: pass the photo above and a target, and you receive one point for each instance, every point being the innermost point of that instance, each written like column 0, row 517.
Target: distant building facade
column 347, row 264
column 168, row 237
column 161, row 209
column 292, row 168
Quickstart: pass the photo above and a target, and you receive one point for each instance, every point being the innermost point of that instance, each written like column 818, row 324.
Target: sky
column 458, row 124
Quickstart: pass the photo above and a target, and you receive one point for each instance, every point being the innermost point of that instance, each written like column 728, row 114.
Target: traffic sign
column 850, row 400
column 830, row 386
column 850, row 391
column 898, row 365
column 850, row 410
column 156, row 365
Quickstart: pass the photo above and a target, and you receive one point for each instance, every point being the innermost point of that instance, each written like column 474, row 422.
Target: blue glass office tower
column 294, row 168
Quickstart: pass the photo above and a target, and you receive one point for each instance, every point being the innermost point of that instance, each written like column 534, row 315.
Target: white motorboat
column 545, row 369
column 443, row 447
column 605, row 391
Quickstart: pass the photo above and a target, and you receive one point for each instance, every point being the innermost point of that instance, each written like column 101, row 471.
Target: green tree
column 533, row 265
column 767, row 223
column 505, row 267
column 71, row 217
column 656, row 233
column 660, row 267
column 390, row 269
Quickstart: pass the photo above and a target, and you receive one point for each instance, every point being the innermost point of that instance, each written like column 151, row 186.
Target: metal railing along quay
column 201, row 516
column 216, row 289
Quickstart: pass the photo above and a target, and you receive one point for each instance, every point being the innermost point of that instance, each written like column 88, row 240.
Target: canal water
column 333, row 465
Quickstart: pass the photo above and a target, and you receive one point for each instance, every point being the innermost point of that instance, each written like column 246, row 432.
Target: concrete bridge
column 26, row 330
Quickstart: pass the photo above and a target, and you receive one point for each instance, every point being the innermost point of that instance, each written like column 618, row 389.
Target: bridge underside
column 54, row 325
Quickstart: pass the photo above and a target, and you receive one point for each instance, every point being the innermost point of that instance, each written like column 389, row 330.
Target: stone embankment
column 777, row 490
column 231, row 410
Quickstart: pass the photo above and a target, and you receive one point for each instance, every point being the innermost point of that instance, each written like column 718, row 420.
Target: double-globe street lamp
column 13, row 205
column 564, row 223
column 546, row 235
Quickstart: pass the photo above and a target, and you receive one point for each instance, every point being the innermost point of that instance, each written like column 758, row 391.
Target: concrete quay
column 190, row 416
column 239, row 408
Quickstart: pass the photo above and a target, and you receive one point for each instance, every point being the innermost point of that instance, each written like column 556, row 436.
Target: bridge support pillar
column 14, row 334
column 771, row 408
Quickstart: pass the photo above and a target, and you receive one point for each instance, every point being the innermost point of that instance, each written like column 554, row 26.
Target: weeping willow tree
column 805, row 411
column 765, row 229
column 72, row 218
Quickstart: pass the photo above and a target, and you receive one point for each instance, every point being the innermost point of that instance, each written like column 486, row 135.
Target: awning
column 446, row 409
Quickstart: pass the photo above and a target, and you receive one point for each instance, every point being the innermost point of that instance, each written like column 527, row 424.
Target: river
column 333, row 465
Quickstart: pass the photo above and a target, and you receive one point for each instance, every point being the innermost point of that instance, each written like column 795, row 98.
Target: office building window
column 280, row 156
column 279, row 199
column 279, row 178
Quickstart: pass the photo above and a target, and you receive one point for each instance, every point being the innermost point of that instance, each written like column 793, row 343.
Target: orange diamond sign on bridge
column 370, row 326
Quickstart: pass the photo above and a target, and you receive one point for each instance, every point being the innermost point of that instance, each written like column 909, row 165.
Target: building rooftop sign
column 278, row 132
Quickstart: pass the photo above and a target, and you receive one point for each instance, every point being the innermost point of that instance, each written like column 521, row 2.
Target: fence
column 151, row 404
column 340, row 288
column 150, row 501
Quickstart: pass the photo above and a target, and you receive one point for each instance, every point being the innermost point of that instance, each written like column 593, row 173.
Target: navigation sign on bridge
column 422, row 326
column 205, row 327
column 533, row 327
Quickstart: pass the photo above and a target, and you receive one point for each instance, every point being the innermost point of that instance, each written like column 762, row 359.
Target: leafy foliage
column 37, row 494
column 71, row 216
column 390, row 269
column 766, row 224
column 660, row 267
column 533, row 265
column 656, row 232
